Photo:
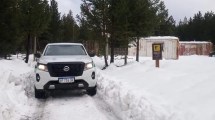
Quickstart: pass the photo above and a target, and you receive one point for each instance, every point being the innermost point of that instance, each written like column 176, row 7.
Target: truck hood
column 74, row 58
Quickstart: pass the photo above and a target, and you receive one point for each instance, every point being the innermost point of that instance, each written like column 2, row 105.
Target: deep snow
column 14, row 89
column 17, row 100
column 179, row 90
column 184, row 87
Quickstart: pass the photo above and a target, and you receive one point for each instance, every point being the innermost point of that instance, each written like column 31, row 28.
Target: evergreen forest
column 26, row 26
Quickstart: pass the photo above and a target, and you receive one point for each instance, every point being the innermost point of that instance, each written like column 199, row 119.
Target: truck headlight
column 88, row 66
column 42, row 67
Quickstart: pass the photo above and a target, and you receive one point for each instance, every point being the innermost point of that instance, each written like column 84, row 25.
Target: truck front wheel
column 92, row 91
column 40, row 94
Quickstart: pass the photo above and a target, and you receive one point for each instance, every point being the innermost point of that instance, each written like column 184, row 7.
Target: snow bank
column 129, row 104
column 183, row 87
column 179, row 90
column 98, row 61
column 15, row 88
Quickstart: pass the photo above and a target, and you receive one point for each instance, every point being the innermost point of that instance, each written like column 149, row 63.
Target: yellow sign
column 157, row 48
column 157, row 51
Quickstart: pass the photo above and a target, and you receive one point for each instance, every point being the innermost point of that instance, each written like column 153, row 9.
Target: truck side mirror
column 37, row 55
column 92, row 54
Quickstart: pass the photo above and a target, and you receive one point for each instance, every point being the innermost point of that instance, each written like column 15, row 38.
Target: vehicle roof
column 64, row 44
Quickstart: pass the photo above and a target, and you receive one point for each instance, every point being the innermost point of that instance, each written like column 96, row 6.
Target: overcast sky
column 177, row 8
column 65, row 5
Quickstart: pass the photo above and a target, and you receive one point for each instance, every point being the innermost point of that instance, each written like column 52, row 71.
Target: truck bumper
column 43, row 80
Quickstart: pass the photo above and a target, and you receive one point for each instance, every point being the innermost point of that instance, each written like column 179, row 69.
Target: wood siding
column 170, row 47
column 195, row 48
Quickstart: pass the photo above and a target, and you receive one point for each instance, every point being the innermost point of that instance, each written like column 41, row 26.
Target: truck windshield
column 64, row 50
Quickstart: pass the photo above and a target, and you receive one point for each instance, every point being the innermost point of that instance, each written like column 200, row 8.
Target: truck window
column 53, row 50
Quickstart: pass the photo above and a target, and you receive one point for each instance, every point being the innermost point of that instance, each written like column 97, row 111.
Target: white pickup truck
column 64, row 66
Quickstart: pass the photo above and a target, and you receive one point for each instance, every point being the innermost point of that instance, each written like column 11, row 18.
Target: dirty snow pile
column 15, row 77
column 180, row 89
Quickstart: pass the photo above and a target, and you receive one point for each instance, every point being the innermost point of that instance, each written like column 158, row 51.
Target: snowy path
column 39, row 110
column 71, row 106
column 176, row 91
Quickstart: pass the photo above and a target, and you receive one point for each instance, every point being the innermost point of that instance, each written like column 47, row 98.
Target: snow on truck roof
column 64, row 44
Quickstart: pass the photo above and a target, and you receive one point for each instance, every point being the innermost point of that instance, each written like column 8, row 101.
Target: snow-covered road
column 75, row 106
column 17, row 100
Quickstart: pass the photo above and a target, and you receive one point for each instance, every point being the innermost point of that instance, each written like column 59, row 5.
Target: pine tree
column 120, row 32
column 69, row 28
column 96, row 14
column 10, row 35
column 85, row 32
column 142, row 20
column 55, row 22
column 35, row 19
column 53, row 32
column 199, row 28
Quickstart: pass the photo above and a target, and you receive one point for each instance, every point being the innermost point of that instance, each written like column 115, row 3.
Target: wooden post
column 157, row 63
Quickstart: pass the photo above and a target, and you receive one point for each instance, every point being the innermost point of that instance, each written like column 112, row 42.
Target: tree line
column 118, row 22
column 28, row 25
column 199, row 28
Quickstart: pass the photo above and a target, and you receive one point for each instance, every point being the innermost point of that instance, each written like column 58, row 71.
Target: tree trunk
column 112, row 55
column 126, row 56
column 106, row 47
column 27, row 48
column 126, row 51
column 105, row 53
column 5, row 56
column 126, row 61
column 126, row 38
column 112, row 51
column 137, row 50
column 106, row 63
column 105, row 58
column 104, row 31
column 35, row 46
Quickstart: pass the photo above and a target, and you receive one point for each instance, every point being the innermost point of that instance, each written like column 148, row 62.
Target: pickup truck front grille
column 66, row 69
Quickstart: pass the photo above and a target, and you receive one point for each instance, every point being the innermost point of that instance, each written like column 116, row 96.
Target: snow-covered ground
column 179, row 90
column 17, row 100
column 15, row 78
column 184, row 88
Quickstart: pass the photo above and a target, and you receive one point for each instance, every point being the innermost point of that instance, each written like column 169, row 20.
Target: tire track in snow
column 105, row 108
column 75, row 107
column 38, row 115
column 39, row 111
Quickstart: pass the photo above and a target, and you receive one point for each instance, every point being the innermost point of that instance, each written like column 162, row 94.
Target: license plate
column 66, row 80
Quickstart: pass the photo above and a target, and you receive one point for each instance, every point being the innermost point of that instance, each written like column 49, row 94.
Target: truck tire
column 92, row 91
column 40, row 94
